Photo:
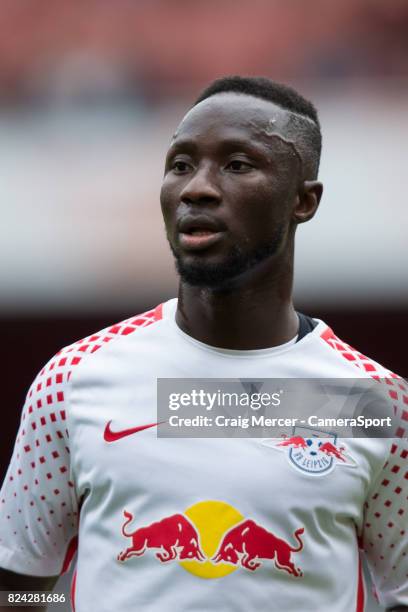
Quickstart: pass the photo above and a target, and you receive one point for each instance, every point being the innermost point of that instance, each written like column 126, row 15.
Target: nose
column 201, row 188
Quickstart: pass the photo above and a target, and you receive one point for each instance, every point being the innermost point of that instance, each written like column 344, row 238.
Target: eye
column 238, row 165
column 180, row 167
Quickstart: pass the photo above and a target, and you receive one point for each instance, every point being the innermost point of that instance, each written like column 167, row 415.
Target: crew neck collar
column 169, row 313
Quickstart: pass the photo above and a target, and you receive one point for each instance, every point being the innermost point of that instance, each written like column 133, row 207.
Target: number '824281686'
column 32, row 597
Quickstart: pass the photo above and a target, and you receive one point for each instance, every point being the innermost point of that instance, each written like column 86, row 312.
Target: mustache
column 220, row 276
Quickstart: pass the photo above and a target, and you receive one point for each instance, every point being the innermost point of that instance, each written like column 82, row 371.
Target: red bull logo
column 248, row 544
column 175, row 537
column 332, row 451
column 212, row 539
column 294, row 442
column 314, row 452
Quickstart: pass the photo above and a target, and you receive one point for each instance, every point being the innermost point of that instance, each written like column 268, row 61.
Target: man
column 203, row 523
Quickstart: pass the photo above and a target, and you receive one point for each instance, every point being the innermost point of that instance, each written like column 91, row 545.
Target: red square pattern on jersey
column 39, row 472
column 386, row 509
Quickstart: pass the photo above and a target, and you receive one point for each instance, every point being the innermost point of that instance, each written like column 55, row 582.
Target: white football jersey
column 198, row 524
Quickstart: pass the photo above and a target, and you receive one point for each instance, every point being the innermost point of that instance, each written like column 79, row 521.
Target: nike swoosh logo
column 112, row 436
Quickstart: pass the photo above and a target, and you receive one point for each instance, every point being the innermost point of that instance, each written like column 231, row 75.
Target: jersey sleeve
column 38, row 504
column 39, row 507
column 385, row 531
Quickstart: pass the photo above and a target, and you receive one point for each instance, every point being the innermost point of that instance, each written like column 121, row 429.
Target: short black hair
column 303, row 123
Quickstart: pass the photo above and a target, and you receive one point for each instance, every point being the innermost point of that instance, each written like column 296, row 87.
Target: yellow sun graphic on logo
column 212, row 519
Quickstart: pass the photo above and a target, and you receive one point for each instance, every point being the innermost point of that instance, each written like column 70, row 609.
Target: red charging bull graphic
column 211, row 539
column 314, row 452
column 332, row 451
column 175, row 537
column 248, row 544
column 294, row 442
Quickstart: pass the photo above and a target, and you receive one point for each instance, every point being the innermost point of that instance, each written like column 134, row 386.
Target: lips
column 198, row 232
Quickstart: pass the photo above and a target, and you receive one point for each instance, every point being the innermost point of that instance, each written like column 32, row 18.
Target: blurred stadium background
column 90, row 93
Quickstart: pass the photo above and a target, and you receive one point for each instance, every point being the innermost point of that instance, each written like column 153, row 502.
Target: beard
column 221, row 275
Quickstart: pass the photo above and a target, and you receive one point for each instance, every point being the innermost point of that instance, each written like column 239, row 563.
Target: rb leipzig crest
column 313, row 451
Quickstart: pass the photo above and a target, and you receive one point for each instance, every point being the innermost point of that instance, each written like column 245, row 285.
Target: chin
column 211, row 275
column 224, row 272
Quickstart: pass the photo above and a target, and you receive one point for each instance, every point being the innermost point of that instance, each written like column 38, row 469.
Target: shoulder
column 74, row 353
column 50, row 385
column 392, row 386
column 359, row 363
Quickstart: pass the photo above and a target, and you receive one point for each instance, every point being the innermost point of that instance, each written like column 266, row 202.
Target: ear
column 307, row 201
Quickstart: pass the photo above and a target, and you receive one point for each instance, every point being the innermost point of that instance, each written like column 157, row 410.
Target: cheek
column 170, row 191
column 263, row 208
column 166, row 199
column 262, row 224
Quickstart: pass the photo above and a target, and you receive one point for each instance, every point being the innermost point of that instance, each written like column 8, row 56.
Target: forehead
column 232, row 113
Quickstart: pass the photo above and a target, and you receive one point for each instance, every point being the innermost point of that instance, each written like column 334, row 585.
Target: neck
column 254, row 313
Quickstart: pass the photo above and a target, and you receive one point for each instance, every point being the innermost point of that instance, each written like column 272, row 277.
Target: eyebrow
column 227, row 143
